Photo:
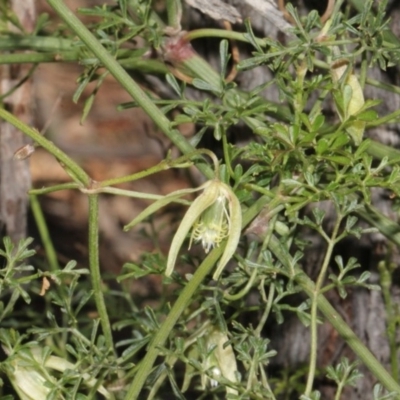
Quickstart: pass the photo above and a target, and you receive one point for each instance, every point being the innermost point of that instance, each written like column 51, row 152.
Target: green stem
column 380, row 150
column 136, row 195
column 340, row 389
column 227, row 159
column 94, row 266
column 55, row 188
column 244, row 291
column 314, row 308
column 174, row 12
column 179, row 307
column 267, row 310
column 385, row 225
column 392, row 117
column 125, row 80
column 12, row 42
column 338, row 323
column 221, row 33
column 386, row 284
column 181, row 162
column 52, row 260
column 134, row 63
column 271, row 218
column 24, row 58
column 44, row 234
column 383, row 85
column 74, row 169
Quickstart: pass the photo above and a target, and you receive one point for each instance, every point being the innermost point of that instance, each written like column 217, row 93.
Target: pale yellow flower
column 213, row 216
column 30, row 373
column 221, row 362
column 353, row 98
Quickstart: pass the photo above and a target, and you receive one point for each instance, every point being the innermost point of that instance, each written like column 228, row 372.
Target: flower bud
column 221, row 361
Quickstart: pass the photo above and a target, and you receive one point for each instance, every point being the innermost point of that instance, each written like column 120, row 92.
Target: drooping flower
column 217, row 357
column 214, row 216
column 29, row 371
column 221, row 362
column 353, row 98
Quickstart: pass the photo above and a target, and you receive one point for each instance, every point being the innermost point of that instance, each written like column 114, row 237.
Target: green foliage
column 305, row 173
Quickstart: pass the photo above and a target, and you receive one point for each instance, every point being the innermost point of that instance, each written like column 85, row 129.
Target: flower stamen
column 213, row 225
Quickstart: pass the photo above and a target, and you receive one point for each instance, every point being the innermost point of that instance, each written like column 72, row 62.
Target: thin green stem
column 314, row 308
column 74, row 170
column 44, row 233
column 19, row 83
column 392, row 117
column 251, row 373
column 14, row 42
column 134, row 63
column 338, row 323
column 385, row 225
column 181, row 162
column 51, row 258
column 33, row 58
column 125, row 81
column 136, row 195
column 267, row 310
column 383, row 85
column 227, row 159
column 94, row 266
column 385, row 274
column 244, row 291
column 298, row 103
column 363, row 70
column 55, row 188
column 221, row 33
column 269, row 302
column 264, row 380
column 67, row 50
column 353, row 341
column 340, row 389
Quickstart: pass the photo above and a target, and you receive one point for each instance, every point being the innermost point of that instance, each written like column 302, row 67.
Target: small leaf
column 347, row 96
column 340, row 141
column 318, row 122
column 338, row 160
column 322, row 146
column 224, row 55
column 369, row 115
column 174, row 84
column 87, row 107
column 203, row 85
